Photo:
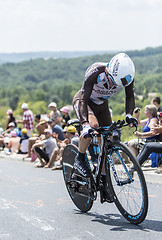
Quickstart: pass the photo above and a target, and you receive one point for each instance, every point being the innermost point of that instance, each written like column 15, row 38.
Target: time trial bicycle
column 127, row 187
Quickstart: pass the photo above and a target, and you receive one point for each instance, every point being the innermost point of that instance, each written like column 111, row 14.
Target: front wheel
column 129, row 188
column 79, row 195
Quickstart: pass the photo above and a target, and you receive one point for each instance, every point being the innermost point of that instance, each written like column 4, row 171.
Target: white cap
column 52, row 104
column 24, row 106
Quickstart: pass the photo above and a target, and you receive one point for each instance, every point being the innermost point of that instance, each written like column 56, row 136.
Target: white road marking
column 42, row 224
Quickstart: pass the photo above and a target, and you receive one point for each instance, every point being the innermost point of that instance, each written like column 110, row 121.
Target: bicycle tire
column 82, row 202
column 131, row 198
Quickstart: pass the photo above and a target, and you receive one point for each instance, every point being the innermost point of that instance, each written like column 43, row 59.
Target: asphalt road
column 34, row 204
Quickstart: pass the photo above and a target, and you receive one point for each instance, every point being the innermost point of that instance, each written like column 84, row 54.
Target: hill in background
column 19, row 57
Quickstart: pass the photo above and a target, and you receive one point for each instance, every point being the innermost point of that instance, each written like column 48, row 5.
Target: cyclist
column 90, row 103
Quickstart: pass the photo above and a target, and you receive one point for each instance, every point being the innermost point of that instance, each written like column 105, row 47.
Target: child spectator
column 23, row 144
column 55, row 114
column 14, row 142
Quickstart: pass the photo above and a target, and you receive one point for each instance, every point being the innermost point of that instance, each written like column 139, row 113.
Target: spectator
column 56, row 156
column 10, row 118
column 12, row 126
column 23, row 144
column 71, row 135
column 148, row 123
column 57, row 129
column 156, row 101
column 55, row 114
column 28, row 120
column 5, row 137
column 41, row 126
column 57, row 153
column 44, row 149
column 1, row 129
column 152, row 147
column 14, row 142
column 65, row 116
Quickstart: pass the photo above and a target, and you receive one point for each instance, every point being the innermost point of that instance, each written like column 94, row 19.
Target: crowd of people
column 47, row 144
column 53, row 134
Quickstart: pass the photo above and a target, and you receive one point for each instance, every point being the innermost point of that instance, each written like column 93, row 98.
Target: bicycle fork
column 110, row 162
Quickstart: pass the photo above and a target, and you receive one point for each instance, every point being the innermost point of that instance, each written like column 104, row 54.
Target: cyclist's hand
column 86, row 130
column 131, row 120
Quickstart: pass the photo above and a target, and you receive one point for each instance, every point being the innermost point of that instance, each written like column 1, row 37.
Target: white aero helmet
column 121, row 69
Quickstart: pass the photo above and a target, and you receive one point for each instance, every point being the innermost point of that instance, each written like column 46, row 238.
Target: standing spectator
column 10, row 118
column 44, row 149
column 55, row 113
column 23, row 144
column 156, row 102
column 65, row 116
column 28, row 120
column 57, row 129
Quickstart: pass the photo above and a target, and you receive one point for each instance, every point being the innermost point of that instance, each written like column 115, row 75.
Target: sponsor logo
column 116, row 68
column 104, row 92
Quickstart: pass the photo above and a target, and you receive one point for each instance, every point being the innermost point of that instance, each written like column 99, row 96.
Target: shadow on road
column 118, row 223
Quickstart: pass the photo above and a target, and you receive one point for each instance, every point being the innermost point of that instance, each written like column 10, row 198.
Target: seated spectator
column 55, row 113
column 57, row 129
column 44, row 149
column 65, row 116
column 10, row 118
column 148, row 123
column 1, row 137
column 5, row 137
column 41, row 126
column 14, row 127
column 57, row 153
column 23, row 144
column 13, row 144
column 152, row 147
column 71, row 135
column 56, row 156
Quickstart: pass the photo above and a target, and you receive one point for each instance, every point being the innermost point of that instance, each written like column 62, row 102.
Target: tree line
column 41, row 81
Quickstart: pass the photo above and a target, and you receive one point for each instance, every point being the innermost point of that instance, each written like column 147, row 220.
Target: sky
column 79, row 25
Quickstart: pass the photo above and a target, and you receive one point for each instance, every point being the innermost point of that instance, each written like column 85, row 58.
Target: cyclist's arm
column 85, row 96
column 130, row 102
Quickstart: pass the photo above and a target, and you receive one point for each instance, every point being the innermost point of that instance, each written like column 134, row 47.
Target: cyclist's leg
column 81, row 165
column 103, row 116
